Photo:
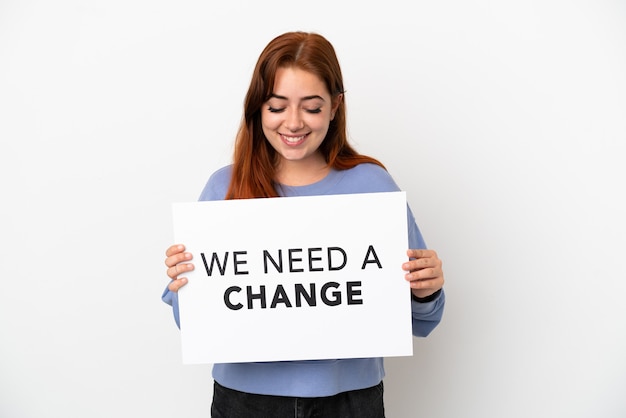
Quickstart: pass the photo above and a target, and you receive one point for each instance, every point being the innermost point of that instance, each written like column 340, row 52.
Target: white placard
column 297, row 278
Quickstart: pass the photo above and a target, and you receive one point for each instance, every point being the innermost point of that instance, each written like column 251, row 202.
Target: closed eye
column 282, row 109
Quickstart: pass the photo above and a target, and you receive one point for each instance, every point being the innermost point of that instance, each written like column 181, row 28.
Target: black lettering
column 280, row 297
column 330, row 294
column 337, row 295
column 237, row 262
column 311, row 259
column 260, row 296
column 292, row 259
column 371, row 251
column 214, row 259
column 351, row 292
column 310, row 296
column 330, row 257
column 279, row 266
column 227, row 301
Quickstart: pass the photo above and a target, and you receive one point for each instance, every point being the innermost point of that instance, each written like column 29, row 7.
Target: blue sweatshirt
column 313, row 378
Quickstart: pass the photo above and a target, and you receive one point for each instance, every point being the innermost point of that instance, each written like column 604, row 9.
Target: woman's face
column 296, row 117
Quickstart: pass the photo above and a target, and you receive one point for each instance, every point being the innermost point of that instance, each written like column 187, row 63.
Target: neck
column 302, row 173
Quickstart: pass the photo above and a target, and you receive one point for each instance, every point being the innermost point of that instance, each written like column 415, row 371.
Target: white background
column 505, row 122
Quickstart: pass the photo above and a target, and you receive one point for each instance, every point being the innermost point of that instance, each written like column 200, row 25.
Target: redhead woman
column 293, row 142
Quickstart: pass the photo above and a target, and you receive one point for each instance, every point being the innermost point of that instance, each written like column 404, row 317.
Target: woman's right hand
column 177, row 264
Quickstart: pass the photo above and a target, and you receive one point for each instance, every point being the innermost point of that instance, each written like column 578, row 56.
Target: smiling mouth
column 293, row 140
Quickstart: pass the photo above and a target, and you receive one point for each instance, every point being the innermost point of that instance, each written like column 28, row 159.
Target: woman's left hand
column 424, row 272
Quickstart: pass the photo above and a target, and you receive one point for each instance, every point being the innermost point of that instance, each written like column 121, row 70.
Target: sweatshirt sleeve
column 214, row 189
column 425, row 316
column 171, row 298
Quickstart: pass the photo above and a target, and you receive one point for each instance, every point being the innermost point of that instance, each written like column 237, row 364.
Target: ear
column 336, row 102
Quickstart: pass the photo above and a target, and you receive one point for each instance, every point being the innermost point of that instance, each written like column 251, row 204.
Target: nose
column 293, row 120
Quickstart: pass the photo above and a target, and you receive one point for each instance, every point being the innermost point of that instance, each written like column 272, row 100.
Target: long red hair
column 254, row 159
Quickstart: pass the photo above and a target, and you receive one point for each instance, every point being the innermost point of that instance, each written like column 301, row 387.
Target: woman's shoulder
column 217, row 185
column 369, row 177
column 369, row 169
column 222, row 175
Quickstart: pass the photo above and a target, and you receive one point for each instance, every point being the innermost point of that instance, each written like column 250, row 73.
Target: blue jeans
column 362, row 403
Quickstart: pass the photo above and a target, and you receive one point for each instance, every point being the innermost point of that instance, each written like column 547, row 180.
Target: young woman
column 293, row 142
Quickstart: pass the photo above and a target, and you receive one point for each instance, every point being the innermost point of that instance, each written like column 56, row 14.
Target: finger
column 175, row 285
column 176, row 258
column 419, row 263
column 174, row 249
column 422, row 253
column 424, row 274
column 433, row 284
column 174, row 271
column 425, row 284
column 425, row 292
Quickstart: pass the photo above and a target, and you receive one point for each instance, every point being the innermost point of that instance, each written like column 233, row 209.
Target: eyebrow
column 312, row 97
